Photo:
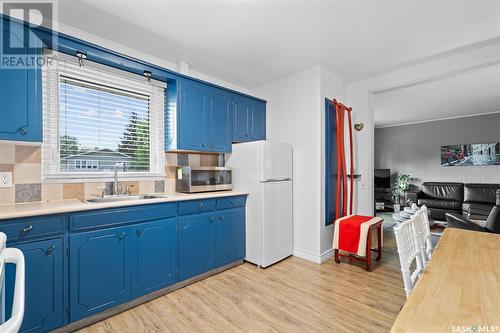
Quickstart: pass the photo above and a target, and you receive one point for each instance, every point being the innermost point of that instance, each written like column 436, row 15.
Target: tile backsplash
column 24, row 161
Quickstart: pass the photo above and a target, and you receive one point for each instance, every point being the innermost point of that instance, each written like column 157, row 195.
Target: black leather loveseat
column 474, row 201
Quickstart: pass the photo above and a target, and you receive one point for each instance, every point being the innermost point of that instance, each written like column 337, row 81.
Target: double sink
column 125, row 197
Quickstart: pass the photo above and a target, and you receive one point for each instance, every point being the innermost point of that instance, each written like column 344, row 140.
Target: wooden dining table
column 459, row 290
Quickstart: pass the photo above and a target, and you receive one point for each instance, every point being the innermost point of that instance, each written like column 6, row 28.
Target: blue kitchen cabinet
column 240, row 118
column 204, row 118
column 258, row 114
column 100, row 270
column 249, row 119
column 230, row 236
column 219, row 117
column 193, row 116
column 20, row 86
column 196, row 244
column 43, row 285
column 154, row 256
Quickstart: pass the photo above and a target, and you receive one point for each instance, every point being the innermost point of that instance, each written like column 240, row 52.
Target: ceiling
column 250, row 43
column 466, row 94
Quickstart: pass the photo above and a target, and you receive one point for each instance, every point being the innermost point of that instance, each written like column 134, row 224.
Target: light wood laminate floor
column 294, row 295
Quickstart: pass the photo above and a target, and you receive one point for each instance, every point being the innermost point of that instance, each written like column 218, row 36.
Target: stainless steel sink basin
column 113, row 198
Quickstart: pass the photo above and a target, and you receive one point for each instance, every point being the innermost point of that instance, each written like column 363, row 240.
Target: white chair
column 409, row 254
column 11, row 256
column 423, row 232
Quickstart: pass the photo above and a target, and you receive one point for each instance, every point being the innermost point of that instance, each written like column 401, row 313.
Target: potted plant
column 402, row 185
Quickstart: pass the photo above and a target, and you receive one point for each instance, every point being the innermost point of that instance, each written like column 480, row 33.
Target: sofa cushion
column 441, row 204
column 483, row 193
column 444, row 191
column 477, row 208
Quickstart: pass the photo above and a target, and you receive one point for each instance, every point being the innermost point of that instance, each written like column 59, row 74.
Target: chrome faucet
column 115, row 183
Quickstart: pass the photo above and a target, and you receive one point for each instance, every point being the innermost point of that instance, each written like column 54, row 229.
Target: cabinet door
column 196, row 245
column 258, row 121
column 43, row 310
column 20, row 89
column 240, row 119
column 99, row 270
column 230, row 236
column 193, row 116
column 220, row 121
column 155, row 256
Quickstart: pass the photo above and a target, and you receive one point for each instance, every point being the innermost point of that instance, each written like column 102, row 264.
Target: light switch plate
column 6, row 179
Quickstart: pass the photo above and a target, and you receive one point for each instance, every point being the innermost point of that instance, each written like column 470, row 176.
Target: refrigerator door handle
column 273, row 180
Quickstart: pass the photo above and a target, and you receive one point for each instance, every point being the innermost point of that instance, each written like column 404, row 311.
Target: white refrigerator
column 265, row 170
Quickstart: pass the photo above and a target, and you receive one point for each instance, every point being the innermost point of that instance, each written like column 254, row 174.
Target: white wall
column 415, row 149
column 360, row 95
column 295, row 114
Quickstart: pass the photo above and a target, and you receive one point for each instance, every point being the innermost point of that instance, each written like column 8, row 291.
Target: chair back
column 410, row 257
column 493, row 220
column 12, row 256
column 423, row 232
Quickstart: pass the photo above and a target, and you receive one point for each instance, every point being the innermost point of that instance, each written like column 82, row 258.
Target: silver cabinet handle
column 50, row 250
column 200, row 205
column 27, row 229
column 221, row 217
column 211, row 219
column 231, row 201
column 121, row 236
column 23, row 130
column 139, row 233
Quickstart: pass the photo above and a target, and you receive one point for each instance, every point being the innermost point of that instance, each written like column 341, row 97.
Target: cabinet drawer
column 27, row 228
column 231, row 202
column 196, row 206
column 123, row 215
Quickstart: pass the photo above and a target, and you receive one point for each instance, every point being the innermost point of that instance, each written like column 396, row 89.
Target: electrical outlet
column 6, row 179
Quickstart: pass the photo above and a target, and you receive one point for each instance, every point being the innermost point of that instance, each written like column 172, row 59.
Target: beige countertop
column 68, row 206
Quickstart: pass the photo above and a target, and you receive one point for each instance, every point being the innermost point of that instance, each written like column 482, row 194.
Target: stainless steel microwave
column 203, row 179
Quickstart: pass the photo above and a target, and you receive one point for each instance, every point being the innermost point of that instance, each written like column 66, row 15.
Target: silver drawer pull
column 211, row 219
column 200, row 205
column 221, row 218
column 121, row 236
column 231, row 201
column 27, row 229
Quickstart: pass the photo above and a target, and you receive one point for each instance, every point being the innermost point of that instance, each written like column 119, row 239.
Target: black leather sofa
column 474, row 201
column 492, row 223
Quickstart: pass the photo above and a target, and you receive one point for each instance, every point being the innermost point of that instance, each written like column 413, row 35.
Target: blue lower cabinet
column 100, row 267
column 196, row 245
column 230, row 236
column 155, row 256
column 44, row 285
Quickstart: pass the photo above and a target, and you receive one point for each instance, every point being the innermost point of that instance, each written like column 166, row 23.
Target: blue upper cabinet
column 100, row 270
column 258, row 120
column 220, row 120
column 249, row 119
column 193, row 116
column 241, row 113
column 20, row 87
column 154, row 256
column 204, row 121
column 43, row 309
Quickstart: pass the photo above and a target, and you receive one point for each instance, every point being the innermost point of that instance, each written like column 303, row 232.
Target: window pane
column 100, row 126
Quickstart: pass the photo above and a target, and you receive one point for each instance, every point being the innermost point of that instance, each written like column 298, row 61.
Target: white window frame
column 65, row 65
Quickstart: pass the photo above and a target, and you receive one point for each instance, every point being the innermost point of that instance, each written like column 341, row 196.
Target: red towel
column 351, row 232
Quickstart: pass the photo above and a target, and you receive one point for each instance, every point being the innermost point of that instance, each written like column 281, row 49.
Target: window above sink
column 96, row 116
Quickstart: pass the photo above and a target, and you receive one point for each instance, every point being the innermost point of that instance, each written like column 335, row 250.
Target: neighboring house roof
column 93, row 152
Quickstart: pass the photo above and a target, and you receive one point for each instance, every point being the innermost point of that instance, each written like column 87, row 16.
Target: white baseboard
column 314, row 257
